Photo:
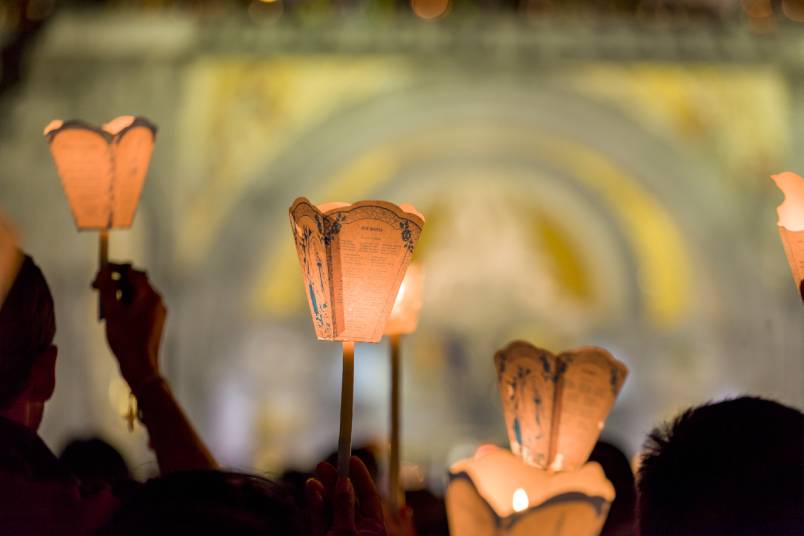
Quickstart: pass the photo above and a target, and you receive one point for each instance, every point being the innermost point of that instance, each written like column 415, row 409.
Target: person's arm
column 135, row 315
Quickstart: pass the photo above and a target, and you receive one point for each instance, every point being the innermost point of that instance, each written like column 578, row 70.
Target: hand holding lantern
column 102, row 170
column 554, row 409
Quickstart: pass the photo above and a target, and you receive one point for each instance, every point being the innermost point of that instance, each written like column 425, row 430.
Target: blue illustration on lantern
column 407, row 236
column 537, row 403
column 614, row 380
column 515, row 392
column 318, row 305
column 561, row 367
column 545, row 365
column 319, row 264
column 313, row 301
column 329, row 226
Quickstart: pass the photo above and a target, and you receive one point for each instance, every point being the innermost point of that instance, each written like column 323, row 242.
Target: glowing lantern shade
column 353, row 259
column 497, row 493
column 555, row 406
column 791, row 223
column 10, row 258
column 102, row 169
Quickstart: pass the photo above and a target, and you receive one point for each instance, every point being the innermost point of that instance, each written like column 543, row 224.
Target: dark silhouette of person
column 209, row 502
column 734, row 467
column 431, row 512
column 621, row 520
column 95, row 462
column 218, row 502
column 38, row 493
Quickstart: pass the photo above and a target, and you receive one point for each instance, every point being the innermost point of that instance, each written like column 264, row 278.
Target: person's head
column 732, row 467
column 209, row 502
column 27, row 353
column 94, row 460
column 621, row 520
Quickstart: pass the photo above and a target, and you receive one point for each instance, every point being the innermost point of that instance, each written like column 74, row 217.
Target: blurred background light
column 429, row 9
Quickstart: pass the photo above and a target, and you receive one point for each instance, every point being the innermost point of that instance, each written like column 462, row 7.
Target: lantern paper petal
column 132, row 156
column 555, row 406
column 10, row 258
column 791, row 222
column 482, row 492
column 353, row 258
column 408, row 303
column 103, row 169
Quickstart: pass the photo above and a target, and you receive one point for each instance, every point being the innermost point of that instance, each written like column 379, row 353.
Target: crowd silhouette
column 731, row 467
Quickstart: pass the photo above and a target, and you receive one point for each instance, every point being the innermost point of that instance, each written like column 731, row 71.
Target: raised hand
column 135, row 316
column 344, row 506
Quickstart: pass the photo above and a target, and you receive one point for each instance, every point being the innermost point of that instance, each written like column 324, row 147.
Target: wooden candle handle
column 103, row 260
column 396, row 497
column 347, row 395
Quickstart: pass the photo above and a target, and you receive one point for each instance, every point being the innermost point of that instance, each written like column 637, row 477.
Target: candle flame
column 400, row 296
column 521, row 500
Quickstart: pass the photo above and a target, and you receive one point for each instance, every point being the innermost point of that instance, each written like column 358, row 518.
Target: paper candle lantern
column 403, row 320
column 791, row 223
column 102, row 170
column 10, row 258
column 353, row 259
column 555, row 406
column 497, row 493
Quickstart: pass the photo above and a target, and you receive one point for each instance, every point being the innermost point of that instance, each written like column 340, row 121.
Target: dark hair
column 94, row 461
column 732, row 467
column 27, row 328
column 208, row 502
column 621, row 520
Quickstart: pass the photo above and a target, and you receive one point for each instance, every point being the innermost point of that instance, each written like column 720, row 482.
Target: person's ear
column 43, row 376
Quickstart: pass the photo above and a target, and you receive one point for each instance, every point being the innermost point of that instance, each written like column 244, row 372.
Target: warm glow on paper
column 791, row 222
column 10, row 258
column 405, row 313
column 497, row 493
column 353, row 259
column 555, row 406
column 102, row 169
